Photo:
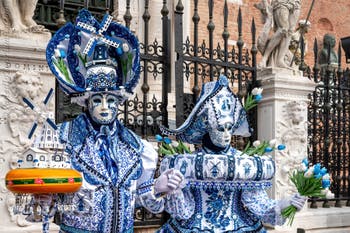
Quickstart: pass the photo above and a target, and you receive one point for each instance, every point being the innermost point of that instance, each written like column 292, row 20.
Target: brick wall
column 326, row 17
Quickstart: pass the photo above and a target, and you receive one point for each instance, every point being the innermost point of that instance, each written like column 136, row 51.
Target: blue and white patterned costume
column 105, row 203
column 98, row 65
column 225, row 193
column 225, row 189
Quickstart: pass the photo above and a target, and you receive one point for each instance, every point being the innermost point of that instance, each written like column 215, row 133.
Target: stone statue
column 281, row 16
column 328, row 51
column 17, row 15
column 295, row 47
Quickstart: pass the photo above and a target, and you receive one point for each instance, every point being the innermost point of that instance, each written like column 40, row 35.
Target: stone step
column 330, row 230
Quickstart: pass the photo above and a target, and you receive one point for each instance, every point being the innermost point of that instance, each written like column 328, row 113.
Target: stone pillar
column 23, row 73
column 282, row 114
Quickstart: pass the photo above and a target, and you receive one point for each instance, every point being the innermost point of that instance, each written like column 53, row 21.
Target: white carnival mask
column 103, row 107
column 221, row 135
column 221, row 111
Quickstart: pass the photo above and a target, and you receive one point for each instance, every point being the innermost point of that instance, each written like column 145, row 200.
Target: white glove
column 295, row 200
column 43, row 199
column 169, row 181
column 298, row 201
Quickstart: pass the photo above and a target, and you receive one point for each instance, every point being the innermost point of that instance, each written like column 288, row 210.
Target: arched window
column 58, row 158
column 29, row 157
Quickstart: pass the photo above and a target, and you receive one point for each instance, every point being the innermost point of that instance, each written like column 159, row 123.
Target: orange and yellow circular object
column 43, row 180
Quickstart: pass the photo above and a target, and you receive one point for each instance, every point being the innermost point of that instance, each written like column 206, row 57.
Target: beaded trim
column 230, row 185
column 145, row 187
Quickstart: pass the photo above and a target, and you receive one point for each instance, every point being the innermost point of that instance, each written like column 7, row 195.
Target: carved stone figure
column 27, row 85
column 292, row 129
column 328, row 51
column 20, row 118
column 280, row 16
column 17, row 15
column 294, row 47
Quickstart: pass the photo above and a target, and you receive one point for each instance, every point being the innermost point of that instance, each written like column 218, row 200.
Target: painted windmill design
column 41, row 113
column 98, row 34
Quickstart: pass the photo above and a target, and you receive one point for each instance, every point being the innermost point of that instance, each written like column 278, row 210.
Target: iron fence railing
column 329, row 126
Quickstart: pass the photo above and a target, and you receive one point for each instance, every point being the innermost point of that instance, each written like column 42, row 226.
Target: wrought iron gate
column 329, row 127
column 196, row 62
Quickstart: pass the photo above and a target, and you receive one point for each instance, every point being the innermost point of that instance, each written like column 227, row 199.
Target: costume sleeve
column 180, row 204
column 145, row 184
column 262, row 206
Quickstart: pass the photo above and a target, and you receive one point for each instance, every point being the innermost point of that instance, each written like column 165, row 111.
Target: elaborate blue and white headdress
column 92, row 57
column 216, row 105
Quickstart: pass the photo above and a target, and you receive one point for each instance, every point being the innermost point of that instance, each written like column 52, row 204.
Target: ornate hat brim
column 197, row 123
column 73, row 80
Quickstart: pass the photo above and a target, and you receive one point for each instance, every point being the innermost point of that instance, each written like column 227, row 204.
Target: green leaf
column 250, row 102
column 61, row 65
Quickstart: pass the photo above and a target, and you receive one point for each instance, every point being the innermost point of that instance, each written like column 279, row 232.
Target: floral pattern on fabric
column 217, row 205
column 224, row 193
column 262, row 206
column 111, row 201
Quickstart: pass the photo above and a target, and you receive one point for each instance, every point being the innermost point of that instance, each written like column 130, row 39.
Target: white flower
column 302, row 167
column 329, row 194
column 272, row 143
column 125, row 47
column 309, row 173
column 285, row 169
column 256, row 143
column 174, row 144
column 77, row 48
column 57, row 53
column 257, row 91
column 326, row 177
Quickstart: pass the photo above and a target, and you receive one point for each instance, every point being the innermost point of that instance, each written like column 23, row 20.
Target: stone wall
column 24, row 73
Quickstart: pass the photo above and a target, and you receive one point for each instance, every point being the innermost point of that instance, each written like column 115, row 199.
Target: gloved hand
column 295, row 200
column 43, row 198
column 169, row 181
column 298, row 201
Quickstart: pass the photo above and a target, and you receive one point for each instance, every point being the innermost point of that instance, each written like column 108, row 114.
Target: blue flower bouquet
column 311, row 181
column 168, row 147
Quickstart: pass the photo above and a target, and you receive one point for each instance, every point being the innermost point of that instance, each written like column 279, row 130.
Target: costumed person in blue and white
column 98, row 66
column 225, row 189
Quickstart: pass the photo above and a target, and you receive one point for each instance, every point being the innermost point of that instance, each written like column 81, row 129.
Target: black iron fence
column 329, row 126
column 202, row 62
